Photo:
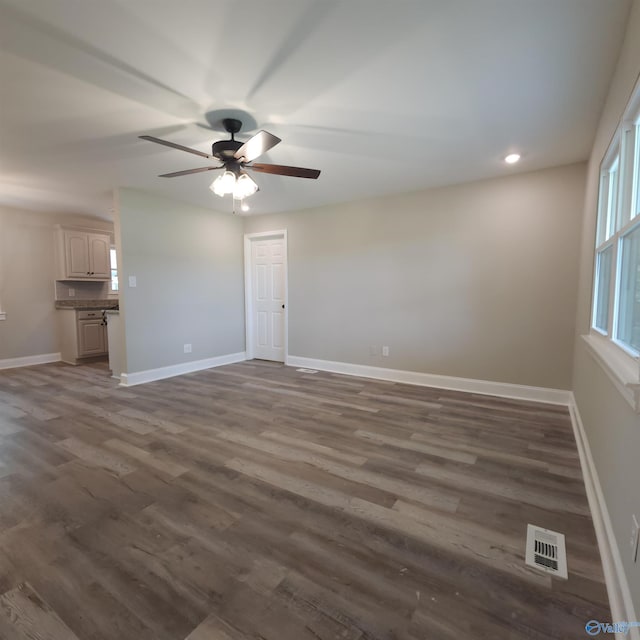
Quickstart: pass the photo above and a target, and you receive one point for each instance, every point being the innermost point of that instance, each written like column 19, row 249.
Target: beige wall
column 476, row 280
column 27, row 280
column 190, row 289
column 613, row 429
column 26, row 284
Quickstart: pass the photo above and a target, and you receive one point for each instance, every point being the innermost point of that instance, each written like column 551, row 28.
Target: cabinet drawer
column 89, row 315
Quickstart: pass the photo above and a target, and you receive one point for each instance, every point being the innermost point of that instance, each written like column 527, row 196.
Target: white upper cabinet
column 76, row 254
column 83, row 255
column 99, row 263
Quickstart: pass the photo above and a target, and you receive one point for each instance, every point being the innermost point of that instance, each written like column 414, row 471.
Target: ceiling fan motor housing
column 224, row 149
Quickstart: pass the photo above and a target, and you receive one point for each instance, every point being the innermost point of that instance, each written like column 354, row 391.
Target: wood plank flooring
column 256, row 502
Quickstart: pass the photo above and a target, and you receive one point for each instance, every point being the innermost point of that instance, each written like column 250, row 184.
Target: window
column 616, row 288
column 602, row 297
column 615, row 319
column 628, row 330
column 114, row 270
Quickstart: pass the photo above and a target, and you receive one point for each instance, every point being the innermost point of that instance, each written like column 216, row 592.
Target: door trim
column 248, row 290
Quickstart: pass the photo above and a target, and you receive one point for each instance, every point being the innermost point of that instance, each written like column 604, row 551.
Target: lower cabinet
column 82, row 334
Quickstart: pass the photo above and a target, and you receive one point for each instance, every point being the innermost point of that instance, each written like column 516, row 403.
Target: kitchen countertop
column 87, row 305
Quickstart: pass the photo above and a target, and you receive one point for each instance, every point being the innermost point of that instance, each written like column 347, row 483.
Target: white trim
column 248, row 289
column 620, row 367
column 29, row 361
column 620, row 600
column 484, row 387
column 150, row 375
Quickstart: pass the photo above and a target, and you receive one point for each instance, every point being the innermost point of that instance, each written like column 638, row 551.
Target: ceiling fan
column 235, row 157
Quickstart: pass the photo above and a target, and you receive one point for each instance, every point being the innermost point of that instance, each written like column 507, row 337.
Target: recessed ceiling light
column 512, row 158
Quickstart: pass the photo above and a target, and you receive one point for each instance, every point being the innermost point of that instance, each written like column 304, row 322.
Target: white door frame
column 248, row 290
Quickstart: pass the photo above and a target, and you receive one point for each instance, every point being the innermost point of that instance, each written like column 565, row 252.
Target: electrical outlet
column 385, row 351
column 187, row 348
column 72, row 293
column 633, row 541
column 373, row 350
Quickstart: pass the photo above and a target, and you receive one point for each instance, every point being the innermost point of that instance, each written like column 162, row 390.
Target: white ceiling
column 382, row 96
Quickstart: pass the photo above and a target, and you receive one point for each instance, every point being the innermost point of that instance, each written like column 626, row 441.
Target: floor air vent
column 546, row 551
column 307, row 370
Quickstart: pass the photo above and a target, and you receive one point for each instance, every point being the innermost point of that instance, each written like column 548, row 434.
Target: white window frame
column 618, row 215
column 112, row 291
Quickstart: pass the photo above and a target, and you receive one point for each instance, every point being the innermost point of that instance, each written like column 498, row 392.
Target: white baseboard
column 150, row 375
column 620, row 600
column 29, row 361
column 484, row 387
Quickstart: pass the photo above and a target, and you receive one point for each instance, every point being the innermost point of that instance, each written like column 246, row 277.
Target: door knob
column 283, row 306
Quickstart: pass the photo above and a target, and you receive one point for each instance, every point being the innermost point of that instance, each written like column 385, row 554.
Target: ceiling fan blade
column 256, row 146
column 283, row 170
column 186, row 172
column 173, row 145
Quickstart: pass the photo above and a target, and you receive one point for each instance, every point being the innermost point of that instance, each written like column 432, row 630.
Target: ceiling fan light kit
column 235, row 157
column 241, row 187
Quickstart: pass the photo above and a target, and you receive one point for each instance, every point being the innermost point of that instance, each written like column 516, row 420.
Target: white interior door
column 268, row 269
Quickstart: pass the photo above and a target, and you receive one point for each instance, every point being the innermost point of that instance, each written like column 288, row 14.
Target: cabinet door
column 91, row 338
column 76, row 248
column 99, row 259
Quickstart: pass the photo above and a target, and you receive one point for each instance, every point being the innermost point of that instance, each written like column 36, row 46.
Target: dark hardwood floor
column 256, row 502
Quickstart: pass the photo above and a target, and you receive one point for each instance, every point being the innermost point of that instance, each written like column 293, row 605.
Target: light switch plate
column 132, row 281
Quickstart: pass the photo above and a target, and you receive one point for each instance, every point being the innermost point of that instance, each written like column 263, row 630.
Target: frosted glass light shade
column 245, row 187
column 223, row 184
